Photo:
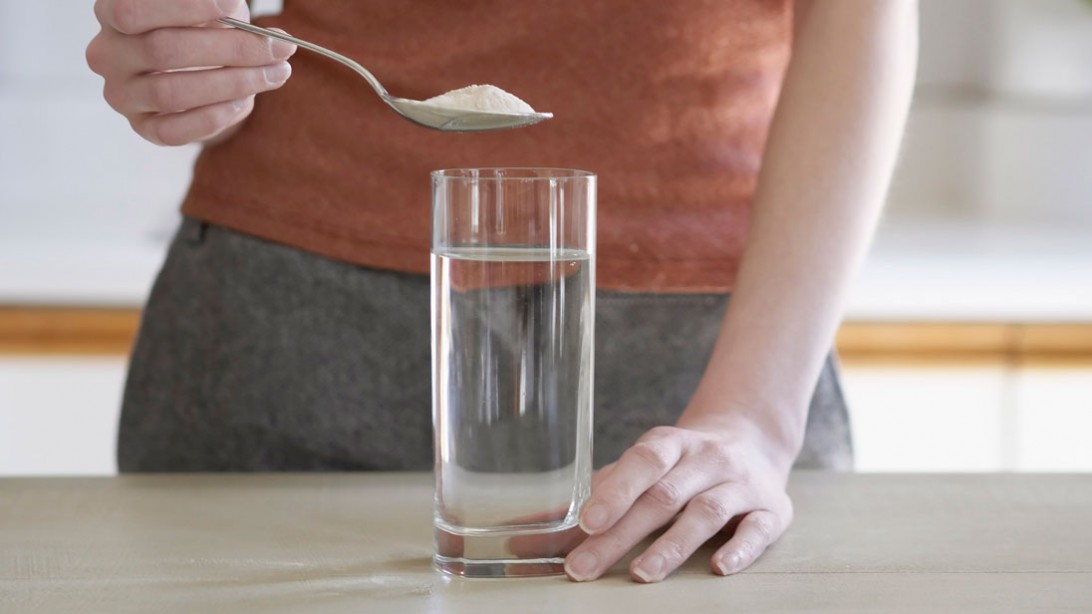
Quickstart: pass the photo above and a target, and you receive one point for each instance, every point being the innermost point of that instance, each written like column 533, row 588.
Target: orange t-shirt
column 668, row 102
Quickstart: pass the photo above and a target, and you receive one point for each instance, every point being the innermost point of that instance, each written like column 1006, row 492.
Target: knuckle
column 146, row 128
column 713, row 508
column 720, row 453
column 162, row 94
column 762, row 526
column 659, row 432
column 113, row 94
column 171, row 139
column 124, row 15
column 161, row 49
column 95, row 55
column 238, row 48
column 747, row 549
column 200, row 124
column 672, row 550
column 653, row 453
column 665, row 494
column 246, row 48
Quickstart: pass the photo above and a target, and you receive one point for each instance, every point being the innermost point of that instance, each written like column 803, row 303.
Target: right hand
column 177, row 83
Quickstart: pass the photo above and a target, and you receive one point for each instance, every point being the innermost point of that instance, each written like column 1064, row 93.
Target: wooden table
column 362, row 543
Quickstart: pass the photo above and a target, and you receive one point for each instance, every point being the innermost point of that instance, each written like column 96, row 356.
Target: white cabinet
column 87, row 205
column 926, row 419
column 58, row 416
column 983, row 418
column 1055, row 419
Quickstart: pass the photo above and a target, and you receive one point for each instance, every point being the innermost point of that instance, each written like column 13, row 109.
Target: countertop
column 926, row 270
column 362, row 543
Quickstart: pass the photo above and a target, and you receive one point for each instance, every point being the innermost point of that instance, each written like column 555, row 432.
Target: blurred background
column 968, row 340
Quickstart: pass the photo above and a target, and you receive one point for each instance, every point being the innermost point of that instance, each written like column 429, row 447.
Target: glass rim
column 499, row 173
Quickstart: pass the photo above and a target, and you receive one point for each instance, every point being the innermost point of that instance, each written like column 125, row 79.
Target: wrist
column 775, row 434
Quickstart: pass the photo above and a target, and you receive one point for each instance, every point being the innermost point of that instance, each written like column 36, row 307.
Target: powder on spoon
column 488, row 98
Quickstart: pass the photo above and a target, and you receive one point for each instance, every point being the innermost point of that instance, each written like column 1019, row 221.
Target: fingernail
column 228, row 6
column 280, row 49
column 240, row 104
column 593, row 518
column 582, row 566
column 650, row 569
column 277, row 73
column 730, row 564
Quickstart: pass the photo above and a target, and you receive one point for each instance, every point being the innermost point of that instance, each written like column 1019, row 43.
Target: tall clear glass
column 513, row 301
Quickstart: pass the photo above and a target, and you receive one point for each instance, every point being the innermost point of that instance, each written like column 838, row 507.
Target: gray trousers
column 253, row 356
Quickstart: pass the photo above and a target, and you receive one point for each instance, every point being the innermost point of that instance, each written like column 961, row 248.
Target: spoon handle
column 333, row 55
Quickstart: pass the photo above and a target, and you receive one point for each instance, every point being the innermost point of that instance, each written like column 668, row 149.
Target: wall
column 87, row 205
column 70, row 169
column 1003, row 113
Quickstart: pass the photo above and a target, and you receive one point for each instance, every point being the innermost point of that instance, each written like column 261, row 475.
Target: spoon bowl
column 446, row 119
column 460, row 120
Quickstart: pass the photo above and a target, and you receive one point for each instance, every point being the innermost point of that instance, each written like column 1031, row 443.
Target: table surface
column 362, row 543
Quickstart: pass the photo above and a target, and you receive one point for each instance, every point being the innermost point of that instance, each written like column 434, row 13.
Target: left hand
column 709, row 479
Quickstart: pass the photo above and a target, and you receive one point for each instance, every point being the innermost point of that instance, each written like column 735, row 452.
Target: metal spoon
column 418, row 112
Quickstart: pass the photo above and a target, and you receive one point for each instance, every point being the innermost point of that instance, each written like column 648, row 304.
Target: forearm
column 829, row 158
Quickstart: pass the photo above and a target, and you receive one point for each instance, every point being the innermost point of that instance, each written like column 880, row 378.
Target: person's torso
column 669, row 102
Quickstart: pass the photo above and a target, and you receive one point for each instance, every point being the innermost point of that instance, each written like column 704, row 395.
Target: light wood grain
column 362, row 543
column 924, row 343
column 83, row 331
column 963, row 343
column 61, row 330
column 1060, row 343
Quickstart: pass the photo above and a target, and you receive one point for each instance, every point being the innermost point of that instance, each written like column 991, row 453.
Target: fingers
column 184, row 90
column 175, row 129
column 754, row 534
column 176, row 83
column 114, row 55
column 635, row 472
column 652, row 510
column 541, row 545
column 599, row 553
column 139, row 16
column 705, row 516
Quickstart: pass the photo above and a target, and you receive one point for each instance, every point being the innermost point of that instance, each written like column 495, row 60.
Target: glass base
column 499, row 568
column 504, row 552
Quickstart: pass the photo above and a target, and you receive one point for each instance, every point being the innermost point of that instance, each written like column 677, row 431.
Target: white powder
column 488, row 98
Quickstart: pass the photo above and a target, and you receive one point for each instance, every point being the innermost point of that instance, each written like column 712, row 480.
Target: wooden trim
column 1015, row 344
column 110, row 331
column 867, row 339
column 1055, row 339
column 67, row 330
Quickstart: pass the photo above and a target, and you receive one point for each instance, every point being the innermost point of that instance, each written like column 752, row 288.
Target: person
column 743, row 147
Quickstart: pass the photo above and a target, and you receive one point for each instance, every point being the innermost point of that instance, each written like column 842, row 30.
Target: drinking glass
column 513, row 301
